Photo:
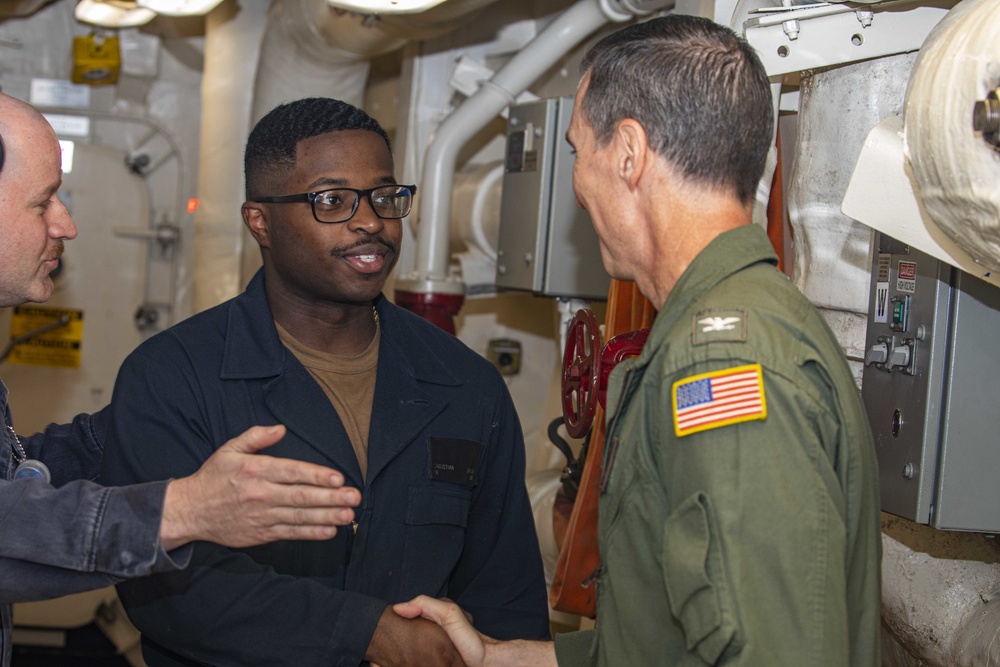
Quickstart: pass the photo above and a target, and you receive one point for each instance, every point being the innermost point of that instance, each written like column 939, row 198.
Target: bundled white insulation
column 955, row 170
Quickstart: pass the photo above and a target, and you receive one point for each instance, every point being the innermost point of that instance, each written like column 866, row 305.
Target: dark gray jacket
column 72, row 535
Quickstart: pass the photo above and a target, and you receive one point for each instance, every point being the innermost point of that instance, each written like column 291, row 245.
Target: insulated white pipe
column 939, row 594
column 230, row 32
column 310, row 49
column 565, row 32
column 955, row 169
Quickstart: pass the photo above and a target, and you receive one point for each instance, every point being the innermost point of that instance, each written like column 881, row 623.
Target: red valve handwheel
column 581, row 373
column 618, row 348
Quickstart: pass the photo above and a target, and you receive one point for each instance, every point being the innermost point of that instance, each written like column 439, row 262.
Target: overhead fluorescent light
column 385, row 6
column 179, row 7
column 112, row 13
column 68, row 150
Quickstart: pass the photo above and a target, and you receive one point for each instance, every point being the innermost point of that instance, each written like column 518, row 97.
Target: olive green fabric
column 754, row 543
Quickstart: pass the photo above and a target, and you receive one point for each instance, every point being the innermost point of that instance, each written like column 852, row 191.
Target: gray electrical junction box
column 931, row 386
column 547, row 244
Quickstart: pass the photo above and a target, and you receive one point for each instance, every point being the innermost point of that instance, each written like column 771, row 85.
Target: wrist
column 521, row 652
column 174, row 525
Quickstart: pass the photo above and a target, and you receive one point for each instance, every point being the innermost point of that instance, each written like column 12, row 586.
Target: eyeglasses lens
column 389, row 202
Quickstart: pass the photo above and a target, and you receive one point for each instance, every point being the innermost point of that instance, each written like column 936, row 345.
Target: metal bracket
column 165, row 235
column 823, row 35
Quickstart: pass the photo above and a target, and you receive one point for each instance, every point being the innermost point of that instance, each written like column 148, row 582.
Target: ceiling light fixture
column 179, row 7
column 112, row 13
column 385, row 6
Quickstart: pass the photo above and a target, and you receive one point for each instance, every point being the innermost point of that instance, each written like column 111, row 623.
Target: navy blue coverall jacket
column 444, row 509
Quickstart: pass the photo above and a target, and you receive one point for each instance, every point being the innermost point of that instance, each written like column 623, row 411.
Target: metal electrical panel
column 931, row 385
column 547, row 244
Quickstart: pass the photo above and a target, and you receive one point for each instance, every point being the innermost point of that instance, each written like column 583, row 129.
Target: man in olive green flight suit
column 739, row 517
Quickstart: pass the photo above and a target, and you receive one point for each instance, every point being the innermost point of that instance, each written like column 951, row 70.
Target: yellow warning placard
column 45, row 336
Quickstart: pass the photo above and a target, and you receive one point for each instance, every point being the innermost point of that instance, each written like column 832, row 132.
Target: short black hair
column 698, row 89
column 270, row 149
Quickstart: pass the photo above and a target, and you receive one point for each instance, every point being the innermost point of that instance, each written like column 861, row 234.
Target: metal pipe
column 551, row 44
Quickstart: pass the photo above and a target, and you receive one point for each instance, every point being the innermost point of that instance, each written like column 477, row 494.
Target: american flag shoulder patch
column 720, row 398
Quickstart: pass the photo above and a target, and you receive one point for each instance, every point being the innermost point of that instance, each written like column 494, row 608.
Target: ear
column 256, row 221
column 631, row 151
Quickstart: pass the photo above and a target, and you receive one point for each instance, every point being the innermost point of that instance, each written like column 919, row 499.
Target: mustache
column 368, row 240
column 57, row 250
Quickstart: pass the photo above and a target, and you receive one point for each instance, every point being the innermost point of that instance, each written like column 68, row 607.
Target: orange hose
column 776, row 210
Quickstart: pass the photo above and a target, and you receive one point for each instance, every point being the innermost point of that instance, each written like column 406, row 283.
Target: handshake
column 469, row 647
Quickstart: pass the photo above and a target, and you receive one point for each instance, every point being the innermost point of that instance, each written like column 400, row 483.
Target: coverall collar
column 254, row 350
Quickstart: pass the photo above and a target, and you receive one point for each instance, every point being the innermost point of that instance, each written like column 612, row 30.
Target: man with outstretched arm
column 72, row 535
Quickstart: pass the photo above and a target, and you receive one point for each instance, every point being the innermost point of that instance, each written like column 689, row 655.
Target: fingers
column 467, row 614
column 410, row 609
column 279, row 470
column 255, row 439
column 309, row 516
column 430, row 608
column 296, row 501
column 290, row 471
column 469, row 643
column 295, row 532
column 247, row 529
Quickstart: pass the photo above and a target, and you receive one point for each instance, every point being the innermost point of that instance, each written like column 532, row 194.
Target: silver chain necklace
column 27, row 468
column 19, row 454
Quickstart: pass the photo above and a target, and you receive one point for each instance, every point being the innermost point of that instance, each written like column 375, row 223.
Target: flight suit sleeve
column 574, row 649
column 753, row 548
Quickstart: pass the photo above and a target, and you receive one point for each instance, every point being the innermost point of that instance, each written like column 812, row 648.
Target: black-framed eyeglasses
column 389, row 202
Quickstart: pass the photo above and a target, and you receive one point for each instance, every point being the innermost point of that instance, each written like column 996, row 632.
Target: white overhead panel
column 800, row 37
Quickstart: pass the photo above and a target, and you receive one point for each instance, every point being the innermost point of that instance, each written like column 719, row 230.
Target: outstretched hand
column 240, row 498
